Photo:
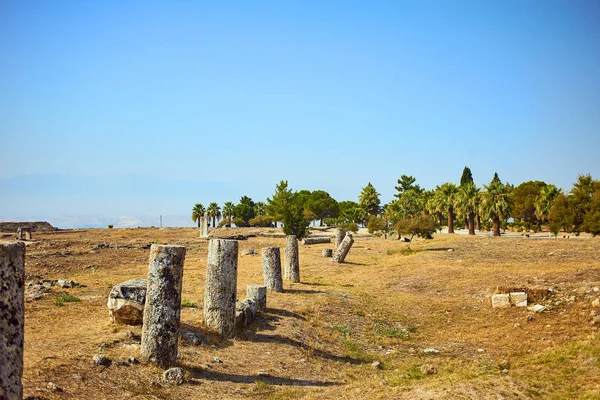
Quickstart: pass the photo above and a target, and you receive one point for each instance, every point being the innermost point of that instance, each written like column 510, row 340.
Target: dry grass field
column 318, row 340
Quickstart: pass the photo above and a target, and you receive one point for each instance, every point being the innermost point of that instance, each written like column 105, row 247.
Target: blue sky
column 125, row 110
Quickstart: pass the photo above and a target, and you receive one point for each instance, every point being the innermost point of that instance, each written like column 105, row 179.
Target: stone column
column 340, row 234
column 204, row 226
column 163, row 301
column 257, row 293
column 271, row 267
column 290, row 262
column 221, row 286
column 12, row 314
column 342, row 251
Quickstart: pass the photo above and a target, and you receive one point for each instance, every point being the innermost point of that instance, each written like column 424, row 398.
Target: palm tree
column 228, row 210
column 448, row 193
column 214, row 211
column 435, row 205
column 197, row 212
column 467, row 203
column 260, row 208
column 545, row 200
column 496, row 203
column 369, row 199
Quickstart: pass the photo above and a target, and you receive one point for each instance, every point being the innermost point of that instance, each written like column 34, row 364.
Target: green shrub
column 110, row 226
column 349, row 226
column 187, row 303
column 66, row 299
column 263, row 221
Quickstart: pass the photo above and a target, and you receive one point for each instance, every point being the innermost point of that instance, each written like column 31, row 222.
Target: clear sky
column 120, row 111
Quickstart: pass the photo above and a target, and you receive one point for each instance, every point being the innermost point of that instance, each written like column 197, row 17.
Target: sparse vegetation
column 60, row 300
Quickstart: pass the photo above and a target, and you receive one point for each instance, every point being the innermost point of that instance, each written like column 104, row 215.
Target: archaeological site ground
column 387, row 323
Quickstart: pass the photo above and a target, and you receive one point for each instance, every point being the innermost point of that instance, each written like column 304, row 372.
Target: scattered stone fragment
column 126, row 302
column 596, row 289
column 327, row 252
column 537, row 308
column 133, row 360
column 430, row 350
column 217, row 360
column 173, row 376
column 193, row 338
column 53, row 386
column 248, row 252
column 101, row 360
column 504, row 371
column 258, row 293
column 263, row 373
column 519, row 299
column 517, row 325
column 376, row 365
column 529, row 318
column 596, row 303
column 500, row 300
column 451, row 250
column 245, row 313
column 428, row 369
column 480, row 350
column 130, row 336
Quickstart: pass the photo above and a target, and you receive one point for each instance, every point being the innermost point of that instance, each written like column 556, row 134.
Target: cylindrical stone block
column 316, row 240
column 221, row 286
column 160, row 332
column 327, row 252
column 342, row 251
column 340, row 234
column 291, row 264
column 12, row 314
column 271, row 267
column 258, row 293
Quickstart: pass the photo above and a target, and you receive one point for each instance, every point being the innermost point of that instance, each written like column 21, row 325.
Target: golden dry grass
column 318, row 339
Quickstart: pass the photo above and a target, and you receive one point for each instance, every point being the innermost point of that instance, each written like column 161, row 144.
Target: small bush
column 224, row 223
column 66, row 299
column 187, row 303
column 349, row 226
column 110, row 226
column 239, row 222
column 263, row 221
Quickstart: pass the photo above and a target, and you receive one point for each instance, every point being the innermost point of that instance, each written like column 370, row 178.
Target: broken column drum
column 340, row 234
column 342, row 251
column 221, row 286
column 327, row 252
column 258, row 293
column 271, row 267
column 160, row 332
column 12, row 313
column 291, row 268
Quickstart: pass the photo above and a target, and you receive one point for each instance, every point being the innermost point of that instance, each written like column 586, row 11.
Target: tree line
column 414, row 210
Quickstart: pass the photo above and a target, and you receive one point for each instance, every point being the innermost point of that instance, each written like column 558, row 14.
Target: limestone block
column 126, row 302
column 501, row 300
column 519, row 299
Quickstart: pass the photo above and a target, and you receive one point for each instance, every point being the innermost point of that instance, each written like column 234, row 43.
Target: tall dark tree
column 288, row 207
column 322, row 205
column 447, row 195
column 369, row 199
column 524, row 197
column 496, row 178
column 406, row 183
column 244, row 211
column 467, row 176
column 580, row 199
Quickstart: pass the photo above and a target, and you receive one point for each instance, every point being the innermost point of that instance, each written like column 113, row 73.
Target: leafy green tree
column 322, row 205
column 447, row 193
column 197, row 212
column 260, row 208
column 214, row 212
column 561, row 215
column 379, row 224
column 544, row 201
column 467, row 176
column 356, row 214
column 591, row 221
column 496, row 178
column 580, row 199
column 422, row 226
column 228, row 210
column 244, row 211
column 467, row 203
column 435, row 205
column 524, row 197
column 369, row 199
column 496, row 203
column 406, row 183
column 288, row 206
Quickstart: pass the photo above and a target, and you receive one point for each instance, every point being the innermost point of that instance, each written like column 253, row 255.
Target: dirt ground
column 424, row 318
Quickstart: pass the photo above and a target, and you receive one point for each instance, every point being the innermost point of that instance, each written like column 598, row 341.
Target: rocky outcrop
column 40, row 226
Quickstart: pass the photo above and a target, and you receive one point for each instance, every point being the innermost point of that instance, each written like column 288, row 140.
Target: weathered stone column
column 340, row 234
column 271, row 267
column 12, row 314
column 221, row 286
column 163, row 301
column 204, row 226
column 257, row 293
column 342, row 251
column 291, row 265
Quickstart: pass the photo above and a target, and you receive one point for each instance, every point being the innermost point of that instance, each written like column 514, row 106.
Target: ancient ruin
column 12, row 313
column 291, row 262
column 160, row 332
column 316, row 240
column 258, row 293
column 126, row 302
column 342, row 251
column 340, row 234
column 221, row 286
column 271, row 268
